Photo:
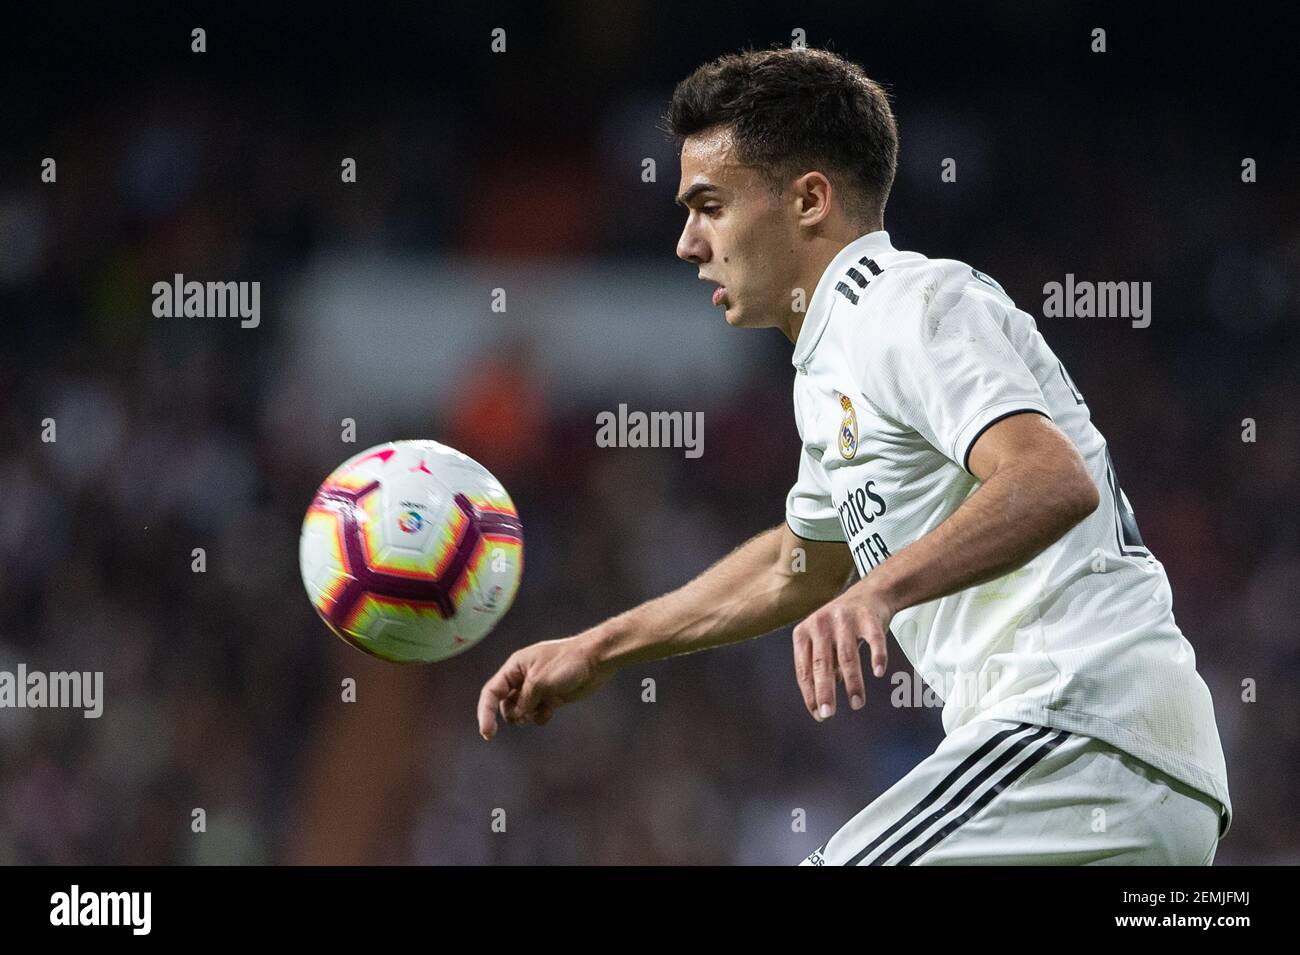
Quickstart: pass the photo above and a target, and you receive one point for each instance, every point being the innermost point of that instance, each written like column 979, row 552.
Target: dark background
column 222, row 689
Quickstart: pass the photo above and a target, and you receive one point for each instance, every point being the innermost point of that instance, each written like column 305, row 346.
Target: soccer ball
column 411, row 551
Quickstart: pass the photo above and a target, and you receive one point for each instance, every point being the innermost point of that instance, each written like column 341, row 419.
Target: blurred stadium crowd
column 222, row 689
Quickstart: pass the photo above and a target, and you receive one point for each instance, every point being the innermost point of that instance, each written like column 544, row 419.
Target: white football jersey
column 902, row 362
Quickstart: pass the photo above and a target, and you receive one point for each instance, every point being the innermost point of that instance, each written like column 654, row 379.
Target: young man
column 950, row 460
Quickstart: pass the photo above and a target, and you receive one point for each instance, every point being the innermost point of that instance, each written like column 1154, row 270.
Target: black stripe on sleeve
column 965, row 461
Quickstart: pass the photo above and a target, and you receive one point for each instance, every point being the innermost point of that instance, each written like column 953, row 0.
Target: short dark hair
column 792, row 110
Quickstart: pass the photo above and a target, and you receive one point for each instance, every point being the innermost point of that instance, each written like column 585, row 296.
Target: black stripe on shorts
column 954, row 824
column 989, row 745
column 963, row 794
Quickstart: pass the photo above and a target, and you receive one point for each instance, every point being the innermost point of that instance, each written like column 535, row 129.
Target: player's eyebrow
column 685, row 198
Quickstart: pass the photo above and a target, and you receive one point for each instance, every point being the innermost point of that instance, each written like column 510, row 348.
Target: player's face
column 740, row 235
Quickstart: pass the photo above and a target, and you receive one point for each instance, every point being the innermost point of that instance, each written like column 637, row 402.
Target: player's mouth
column 719, row 293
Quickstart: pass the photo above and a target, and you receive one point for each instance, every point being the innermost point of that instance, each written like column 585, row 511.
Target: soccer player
column 949, row 459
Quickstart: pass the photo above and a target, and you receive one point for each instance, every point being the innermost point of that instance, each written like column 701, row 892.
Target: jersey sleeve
column 809, row 509
column 945, row 366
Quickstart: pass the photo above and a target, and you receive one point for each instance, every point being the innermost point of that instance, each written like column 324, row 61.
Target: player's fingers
column 494, row 693
column 527, row 702
column 823, row 668
column 803, row 669
column 846, row 652
column 515, row 716
column 508, row 702
column 874, row 636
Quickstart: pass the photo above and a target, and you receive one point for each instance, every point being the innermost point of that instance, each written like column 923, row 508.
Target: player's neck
column 821, row 251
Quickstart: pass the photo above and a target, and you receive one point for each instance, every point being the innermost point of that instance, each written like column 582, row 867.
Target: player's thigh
column 1086, row 803
column 1180, row 826
column 999, row 793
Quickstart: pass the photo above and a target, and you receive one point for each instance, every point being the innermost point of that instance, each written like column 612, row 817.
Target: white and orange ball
column 411, row 551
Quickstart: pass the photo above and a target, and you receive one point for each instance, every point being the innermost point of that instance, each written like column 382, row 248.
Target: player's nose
column 691, row 247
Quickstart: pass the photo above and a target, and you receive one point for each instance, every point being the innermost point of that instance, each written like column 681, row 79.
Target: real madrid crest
column 848, row 429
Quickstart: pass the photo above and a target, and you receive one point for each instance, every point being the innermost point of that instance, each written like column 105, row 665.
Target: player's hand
column 826, row 642
column 536, row 681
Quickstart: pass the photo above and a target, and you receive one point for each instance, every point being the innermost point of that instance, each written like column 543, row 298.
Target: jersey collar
column 819, row 308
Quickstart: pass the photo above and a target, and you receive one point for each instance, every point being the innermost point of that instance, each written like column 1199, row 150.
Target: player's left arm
column 1034, row 488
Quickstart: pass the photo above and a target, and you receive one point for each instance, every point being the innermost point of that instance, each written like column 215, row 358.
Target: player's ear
column 813, row 195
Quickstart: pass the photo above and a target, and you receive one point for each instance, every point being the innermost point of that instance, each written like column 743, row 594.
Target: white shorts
column 1004, row 793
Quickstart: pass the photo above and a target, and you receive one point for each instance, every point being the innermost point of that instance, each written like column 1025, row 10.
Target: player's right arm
column 769, row 581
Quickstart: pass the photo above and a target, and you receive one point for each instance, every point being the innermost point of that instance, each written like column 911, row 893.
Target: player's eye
column 711, row 211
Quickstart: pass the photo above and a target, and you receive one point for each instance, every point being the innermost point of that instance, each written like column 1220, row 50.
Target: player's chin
column 734, row 315
column 742, row 318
